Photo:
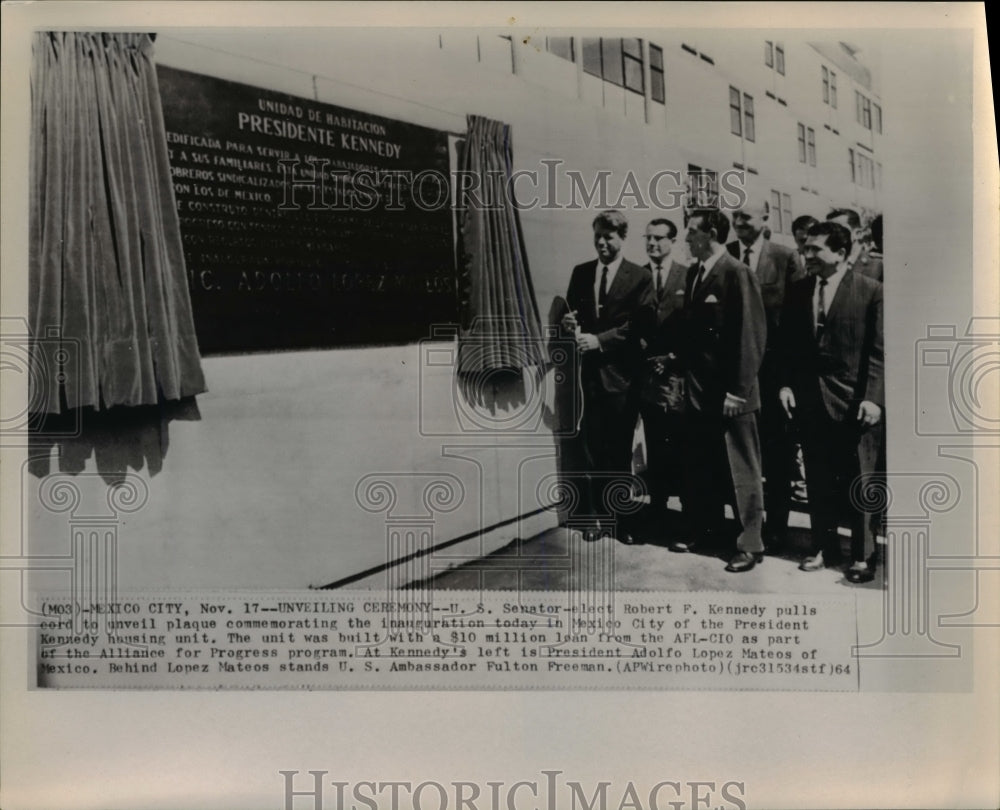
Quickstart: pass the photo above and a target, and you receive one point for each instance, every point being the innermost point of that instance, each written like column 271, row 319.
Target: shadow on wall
column 118, row 439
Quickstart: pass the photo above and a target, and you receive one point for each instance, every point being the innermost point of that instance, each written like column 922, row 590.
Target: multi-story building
column 611, row 121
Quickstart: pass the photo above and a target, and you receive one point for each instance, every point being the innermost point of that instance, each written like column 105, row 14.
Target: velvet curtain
column 109, row 309
column 501, row 326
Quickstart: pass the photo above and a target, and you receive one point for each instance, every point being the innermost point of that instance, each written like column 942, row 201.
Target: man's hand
column 787, row 399
column 586, row 342
column 569, row 321
column 869, row 413
column 732, row 405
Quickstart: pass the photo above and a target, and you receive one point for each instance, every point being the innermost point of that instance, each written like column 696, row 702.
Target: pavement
column 561, row 559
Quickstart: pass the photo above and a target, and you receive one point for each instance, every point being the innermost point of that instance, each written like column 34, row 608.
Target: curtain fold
column 501, row 326
column 109, row 308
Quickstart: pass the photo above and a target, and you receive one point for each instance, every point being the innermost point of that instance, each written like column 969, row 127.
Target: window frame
column 572, row 48
column 735, row 122
column 657, row 70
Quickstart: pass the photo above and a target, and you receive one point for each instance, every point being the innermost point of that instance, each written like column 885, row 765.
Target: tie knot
column 823, row 282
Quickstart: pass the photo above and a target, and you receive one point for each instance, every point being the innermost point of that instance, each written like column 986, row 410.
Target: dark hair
column 613, row 221
column 876, row 227
column 853, row 219
column 712, row 219
column 804, row 223
column 837, row 236
column 672, row 229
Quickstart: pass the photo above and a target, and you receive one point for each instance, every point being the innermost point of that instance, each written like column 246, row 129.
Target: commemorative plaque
column 306, row 225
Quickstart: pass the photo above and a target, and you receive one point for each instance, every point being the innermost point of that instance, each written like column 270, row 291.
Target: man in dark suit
column 800, row 232
column 833, row 386
column 775, row 267
column 860, row 260
column 604, row 297
column 724, row 333
column 661, row 423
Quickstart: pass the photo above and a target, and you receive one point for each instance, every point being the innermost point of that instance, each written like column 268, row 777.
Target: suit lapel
column 765, row 265
column 844, row 291
column 622, row 280
column 702, row 290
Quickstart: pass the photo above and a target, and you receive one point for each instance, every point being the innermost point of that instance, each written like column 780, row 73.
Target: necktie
column 659, row 281
column 746, row 256
column 821, row 310
column 602, row 293
column 698, row 278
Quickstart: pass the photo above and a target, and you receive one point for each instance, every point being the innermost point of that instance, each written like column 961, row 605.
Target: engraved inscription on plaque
column 306, row 225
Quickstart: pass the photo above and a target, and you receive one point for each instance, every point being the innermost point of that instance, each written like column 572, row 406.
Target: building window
column 775, row 219
column 618, row 61
column 864, row 171
column 735, row 114
column 611, row 61
column 702, row 187
column 829, row 87
column 561, row 47
column 779, row 59
column 657, row 87
column 863, row 110
column 811, row 141
column 592, row 56
column 878, row 119
column 802, row 143
column 786, row 211
column 748, row 118
column 769, row 53
column 632, row 61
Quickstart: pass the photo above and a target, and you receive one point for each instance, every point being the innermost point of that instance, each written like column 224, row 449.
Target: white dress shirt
column 709, row 263
column 612, row 269
column 829, row 292
column 755, row 251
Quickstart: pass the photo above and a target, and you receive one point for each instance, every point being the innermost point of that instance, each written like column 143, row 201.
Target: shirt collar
column 613, row 266
column 757, row 246
column 709, row 263
column 834, row 280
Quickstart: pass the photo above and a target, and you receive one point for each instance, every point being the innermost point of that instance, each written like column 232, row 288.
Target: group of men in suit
column 723, row 358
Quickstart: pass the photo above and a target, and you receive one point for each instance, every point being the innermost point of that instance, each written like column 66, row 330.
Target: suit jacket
column 724, row 333
column 616, row 363
column 777, row 267
column 660, row 327
column 868, row 265
column 846, row 365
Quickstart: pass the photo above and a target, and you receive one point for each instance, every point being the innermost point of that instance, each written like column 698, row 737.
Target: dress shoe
column 682, row 546
column 744, row 561
column 819, row 562
column 858, row 576
column 813, row 563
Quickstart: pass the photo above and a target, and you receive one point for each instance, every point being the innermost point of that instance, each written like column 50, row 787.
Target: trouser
column 722, row 462
column 663, row 431
column 607, row 429
column 836, row 454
